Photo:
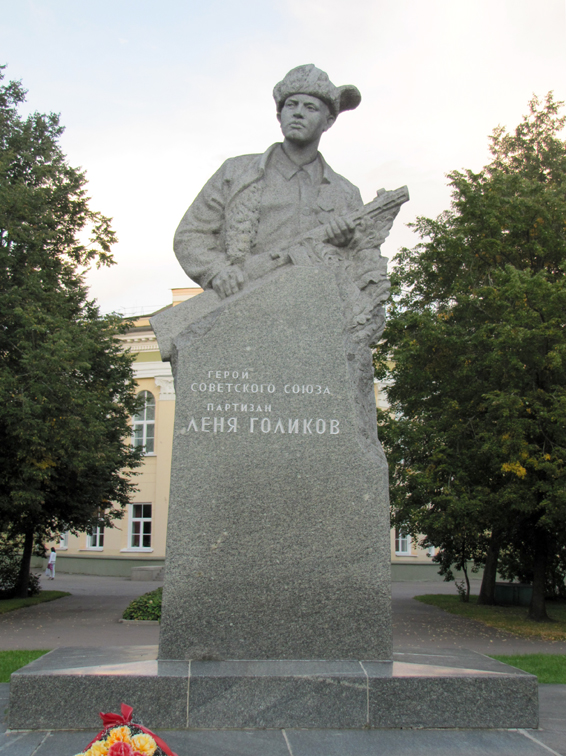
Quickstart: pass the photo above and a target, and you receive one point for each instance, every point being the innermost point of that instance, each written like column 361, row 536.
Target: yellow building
column 138, row 540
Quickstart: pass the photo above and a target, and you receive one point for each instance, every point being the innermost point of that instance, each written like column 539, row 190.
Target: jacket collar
column 257, row 170
column 288, row 169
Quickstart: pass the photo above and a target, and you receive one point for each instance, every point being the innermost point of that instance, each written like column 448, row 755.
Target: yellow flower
column 99, row 748
column 118, row 735
column 144, row 743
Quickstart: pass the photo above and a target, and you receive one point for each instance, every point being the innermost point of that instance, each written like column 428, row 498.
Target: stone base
column 278, row 540
column 69, row 686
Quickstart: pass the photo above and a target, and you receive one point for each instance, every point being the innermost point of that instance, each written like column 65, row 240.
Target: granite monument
column 276, row 609
column 278, row 535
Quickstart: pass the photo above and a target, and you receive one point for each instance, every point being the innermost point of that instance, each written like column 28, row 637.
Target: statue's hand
column 341, row 232
column 228, row 281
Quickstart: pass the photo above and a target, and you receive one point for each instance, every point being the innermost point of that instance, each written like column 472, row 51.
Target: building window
column 143, row 423
column 140, row 526
column 95, row 537
column 402, row 543
column 64, row 540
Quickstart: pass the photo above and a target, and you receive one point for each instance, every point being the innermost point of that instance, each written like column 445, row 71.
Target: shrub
column 146, row 607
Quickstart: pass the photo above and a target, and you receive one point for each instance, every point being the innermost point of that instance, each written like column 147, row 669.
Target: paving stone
column 21, row 743
column 65, row 743
column 227, row 743
column 415, row 742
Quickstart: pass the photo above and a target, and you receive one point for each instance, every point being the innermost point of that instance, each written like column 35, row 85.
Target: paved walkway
column 90, row 617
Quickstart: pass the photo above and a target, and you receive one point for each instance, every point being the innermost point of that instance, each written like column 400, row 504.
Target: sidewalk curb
column 139, row 622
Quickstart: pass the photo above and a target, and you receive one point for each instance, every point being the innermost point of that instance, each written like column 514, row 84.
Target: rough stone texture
column 451, row 698
column 278, row 542
column 468, row 690
column 52, row 694
column 277, row 694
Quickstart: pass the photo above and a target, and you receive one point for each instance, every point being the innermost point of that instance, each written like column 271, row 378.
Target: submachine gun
column 172, row 321
column 257, row 266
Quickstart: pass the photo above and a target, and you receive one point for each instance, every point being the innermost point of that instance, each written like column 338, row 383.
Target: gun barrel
column 381, row 204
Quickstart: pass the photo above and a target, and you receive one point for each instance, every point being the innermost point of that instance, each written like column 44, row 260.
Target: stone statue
column 278, row 533
column 287, row 206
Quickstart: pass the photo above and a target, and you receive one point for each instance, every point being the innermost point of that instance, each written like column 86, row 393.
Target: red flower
column 121, row 749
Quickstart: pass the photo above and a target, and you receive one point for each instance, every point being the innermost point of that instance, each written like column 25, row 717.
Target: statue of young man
column 255, row 203
column 295, row 287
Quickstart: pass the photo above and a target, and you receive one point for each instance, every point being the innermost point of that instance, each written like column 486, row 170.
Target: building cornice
column 139, row 342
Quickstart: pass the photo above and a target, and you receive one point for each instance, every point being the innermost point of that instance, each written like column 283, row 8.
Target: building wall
column 117, row 556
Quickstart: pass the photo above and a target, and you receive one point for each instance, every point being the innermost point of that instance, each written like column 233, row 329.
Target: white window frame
column 402, row 543
column 97, row 532
column 141, row 424
column 63, row 541
column 132, row 520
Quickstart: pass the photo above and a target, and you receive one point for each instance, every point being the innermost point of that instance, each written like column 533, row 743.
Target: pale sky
column 156, row 95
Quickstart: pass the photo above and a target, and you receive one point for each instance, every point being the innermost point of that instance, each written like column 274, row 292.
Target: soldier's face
column 304, row 118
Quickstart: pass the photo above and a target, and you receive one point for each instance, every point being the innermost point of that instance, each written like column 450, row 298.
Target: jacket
column 220, row 227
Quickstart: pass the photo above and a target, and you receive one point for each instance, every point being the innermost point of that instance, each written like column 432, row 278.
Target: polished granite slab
column 66, row 689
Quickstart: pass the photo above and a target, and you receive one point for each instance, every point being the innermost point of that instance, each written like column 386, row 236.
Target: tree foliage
column 475, row 355
column 66, row 387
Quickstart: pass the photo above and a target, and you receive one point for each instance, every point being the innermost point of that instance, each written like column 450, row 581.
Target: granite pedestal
column 278, row 530
column 68, row 687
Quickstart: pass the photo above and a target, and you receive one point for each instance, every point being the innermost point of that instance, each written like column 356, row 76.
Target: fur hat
column 310, row 80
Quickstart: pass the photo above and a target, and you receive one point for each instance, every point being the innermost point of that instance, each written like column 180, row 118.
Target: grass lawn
column 8, row 605
column 513, row 619
column 549, row 668
column 10, row 661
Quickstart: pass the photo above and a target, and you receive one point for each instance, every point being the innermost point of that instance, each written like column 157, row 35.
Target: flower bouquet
column 121, row 737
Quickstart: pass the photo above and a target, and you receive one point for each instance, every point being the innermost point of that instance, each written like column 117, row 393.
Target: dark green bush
column 146, row 607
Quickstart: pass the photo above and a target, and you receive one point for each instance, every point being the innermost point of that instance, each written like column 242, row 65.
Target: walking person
column 51, row 564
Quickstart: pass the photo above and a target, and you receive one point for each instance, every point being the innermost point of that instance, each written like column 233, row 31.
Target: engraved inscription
column 306, row 426
column 235, row 407
column 221, row 415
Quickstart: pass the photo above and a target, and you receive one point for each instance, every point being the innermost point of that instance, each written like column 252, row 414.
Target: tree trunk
column 466, row 595
column 487, row 590
column 537, row 609
column 21, row 590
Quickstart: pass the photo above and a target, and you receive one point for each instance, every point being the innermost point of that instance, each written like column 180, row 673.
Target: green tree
column 66, row 387
column 475, row 354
